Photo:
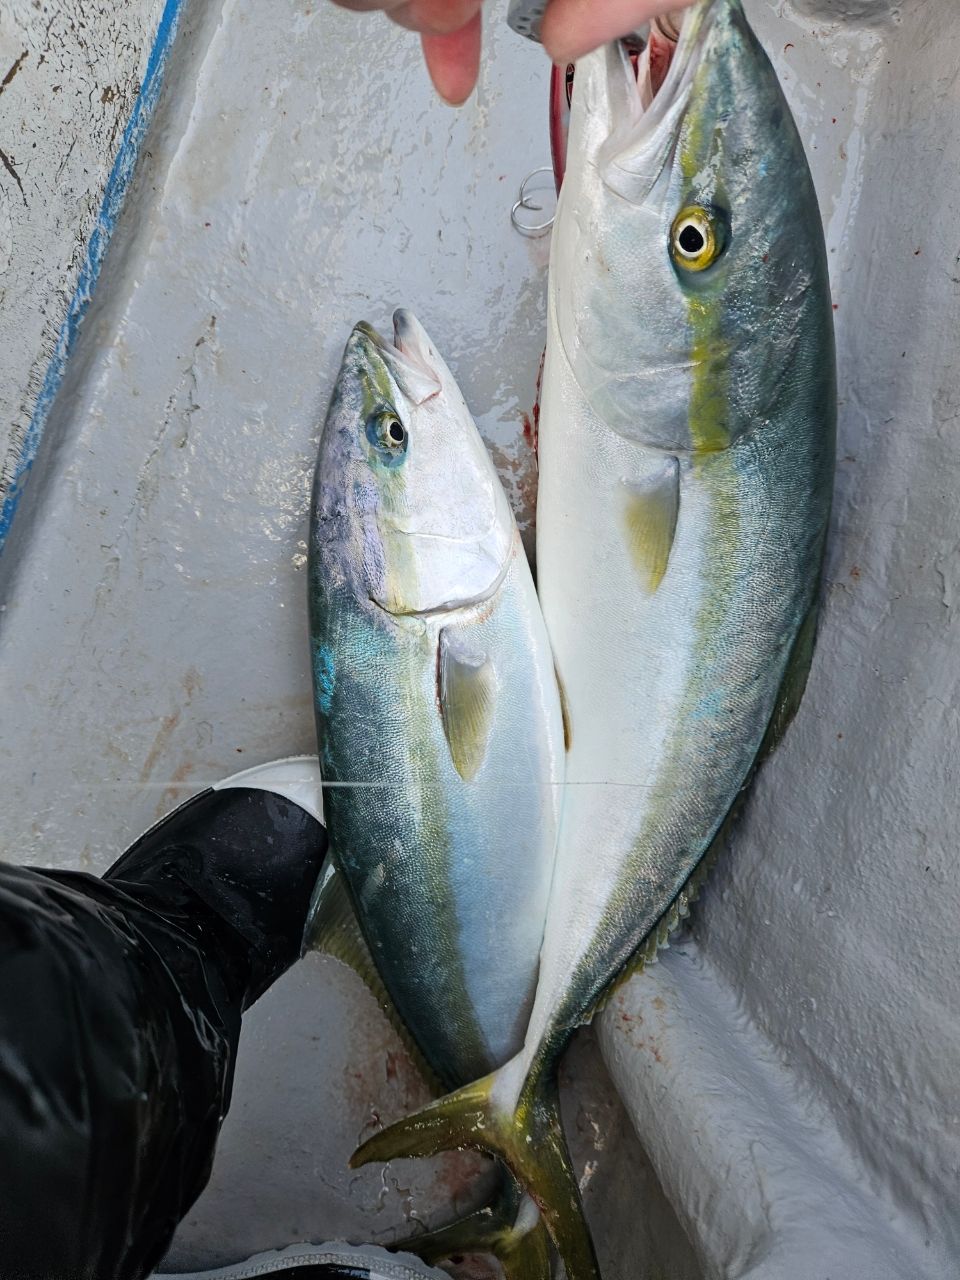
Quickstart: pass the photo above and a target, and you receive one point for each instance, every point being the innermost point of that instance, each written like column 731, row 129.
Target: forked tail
column 526, row 1135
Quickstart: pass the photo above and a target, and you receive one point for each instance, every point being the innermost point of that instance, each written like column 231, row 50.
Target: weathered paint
column 30, row 312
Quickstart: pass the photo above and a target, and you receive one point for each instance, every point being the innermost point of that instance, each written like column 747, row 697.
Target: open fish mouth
column 648, row 95
column 646, row 72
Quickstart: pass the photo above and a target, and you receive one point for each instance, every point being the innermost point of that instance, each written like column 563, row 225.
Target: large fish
column 687, row 443
column 439, row 718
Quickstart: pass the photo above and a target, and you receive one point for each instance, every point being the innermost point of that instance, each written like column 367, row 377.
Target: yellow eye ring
column 697, row 238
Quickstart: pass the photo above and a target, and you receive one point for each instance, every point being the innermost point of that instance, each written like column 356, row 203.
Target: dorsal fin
column 652, row 506
column 332, row 930
column 468, row 692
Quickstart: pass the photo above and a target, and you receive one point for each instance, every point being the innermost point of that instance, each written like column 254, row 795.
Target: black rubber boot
column 120, row 1004
column 237, row 864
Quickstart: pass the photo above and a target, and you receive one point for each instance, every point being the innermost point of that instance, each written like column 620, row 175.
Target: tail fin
column 526, row 1135
column 510, row 1228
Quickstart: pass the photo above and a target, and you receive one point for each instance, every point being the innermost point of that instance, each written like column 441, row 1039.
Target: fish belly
column 449, row 877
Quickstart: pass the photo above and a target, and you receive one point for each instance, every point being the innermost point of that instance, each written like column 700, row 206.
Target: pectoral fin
column 468, row 694
column 652, row 506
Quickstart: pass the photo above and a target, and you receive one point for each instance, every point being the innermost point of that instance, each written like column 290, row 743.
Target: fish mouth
column 644, row 128
column 406, row 359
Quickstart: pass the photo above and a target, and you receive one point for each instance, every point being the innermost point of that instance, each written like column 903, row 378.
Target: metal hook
column 531, row 229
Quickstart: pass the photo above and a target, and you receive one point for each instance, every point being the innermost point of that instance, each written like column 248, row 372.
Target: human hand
column 450, row 31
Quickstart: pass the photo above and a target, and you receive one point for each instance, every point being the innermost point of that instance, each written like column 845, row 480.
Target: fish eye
column 697, row 238
column 387, row 434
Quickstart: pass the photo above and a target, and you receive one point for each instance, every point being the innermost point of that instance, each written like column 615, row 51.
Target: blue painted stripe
column 114, row 195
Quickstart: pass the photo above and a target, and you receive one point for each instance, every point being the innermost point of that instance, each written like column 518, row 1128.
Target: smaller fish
column 439, row 725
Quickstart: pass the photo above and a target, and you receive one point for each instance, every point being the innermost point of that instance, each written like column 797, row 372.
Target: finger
column 454, row 61
column 572, row 28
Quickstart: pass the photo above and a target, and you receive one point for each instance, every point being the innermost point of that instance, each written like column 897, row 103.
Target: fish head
column 688, row 243
column 408, row 506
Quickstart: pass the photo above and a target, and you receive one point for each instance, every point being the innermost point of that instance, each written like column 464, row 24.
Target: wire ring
column 532, row 230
